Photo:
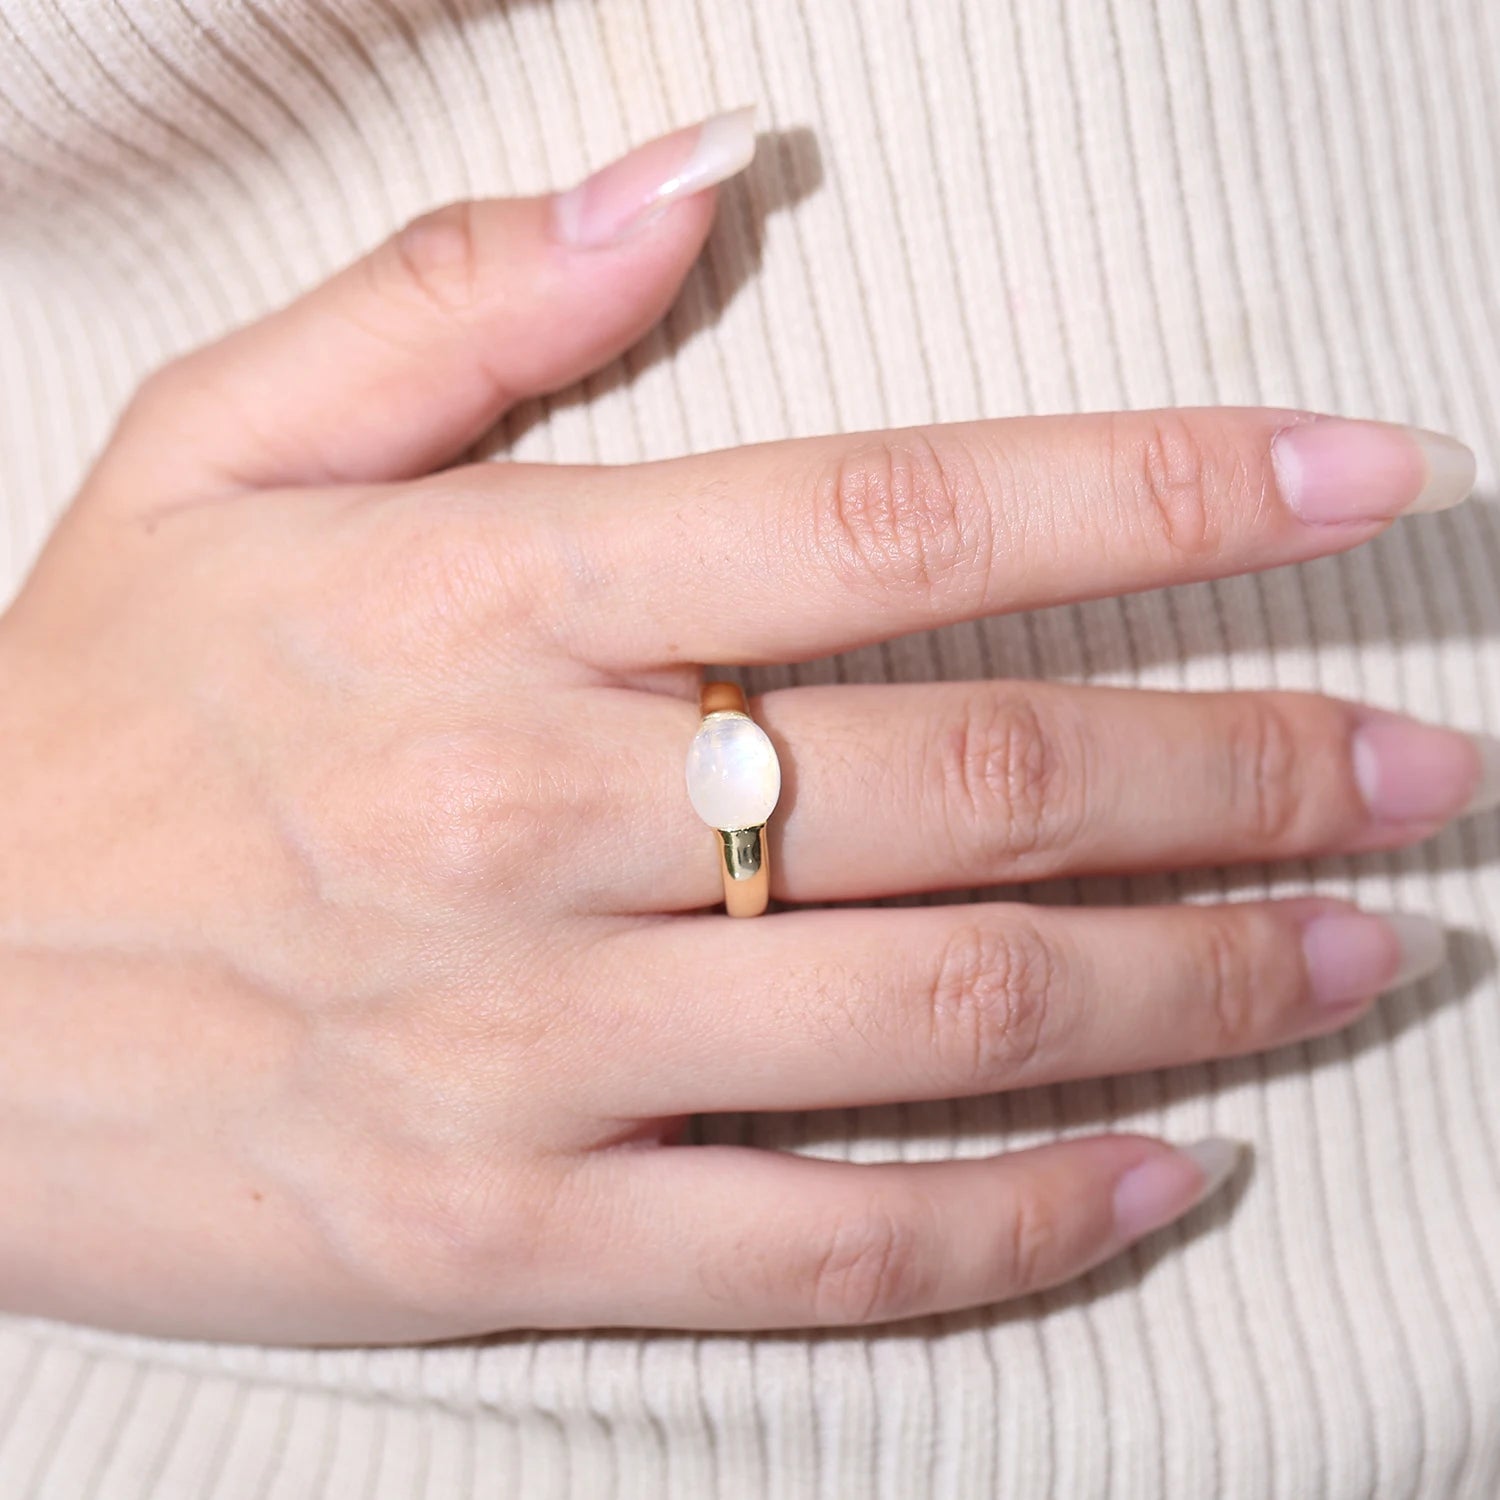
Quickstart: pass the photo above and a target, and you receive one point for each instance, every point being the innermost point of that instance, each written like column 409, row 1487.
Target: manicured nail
column 1167, row 1185
column 1410, row 772
column 629, row 193
column 1352, row 955
column 1332, row 470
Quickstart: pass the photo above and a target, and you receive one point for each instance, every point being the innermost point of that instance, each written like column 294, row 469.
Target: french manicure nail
column 1331, row 470
column 627, row 194
column 1352, row 955
column 1166, row 1186
column 1410, row 772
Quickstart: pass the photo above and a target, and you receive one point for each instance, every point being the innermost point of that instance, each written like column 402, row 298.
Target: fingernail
column 627, row 194
column 1332, row 470
column 1352, row 955
column 1410, row 772
column 1167, row 1185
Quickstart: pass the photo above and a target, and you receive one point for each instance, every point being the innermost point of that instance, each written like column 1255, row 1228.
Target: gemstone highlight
column 733, row 776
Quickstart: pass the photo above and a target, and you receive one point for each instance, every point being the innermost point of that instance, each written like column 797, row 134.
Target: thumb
column 404, row 359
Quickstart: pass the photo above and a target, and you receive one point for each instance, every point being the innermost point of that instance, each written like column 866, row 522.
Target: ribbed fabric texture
column 960, row 208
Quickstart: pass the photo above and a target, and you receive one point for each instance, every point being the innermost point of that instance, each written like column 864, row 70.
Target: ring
column 733, row 781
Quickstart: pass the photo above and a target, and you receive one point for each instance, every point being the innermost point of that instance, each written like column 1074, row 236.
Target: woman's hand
column 355, row 979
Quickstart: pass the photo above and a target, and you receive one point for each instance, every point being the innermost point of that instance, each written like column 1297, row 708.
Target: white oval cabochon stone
column 733, row 776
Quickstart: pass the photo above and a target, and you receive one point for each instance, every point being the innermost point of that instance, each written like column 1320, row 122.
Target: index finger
column 789, row 550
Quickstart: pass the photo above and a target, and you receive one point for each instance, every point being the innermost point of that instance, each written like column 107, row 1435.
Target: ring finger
column 894, row 789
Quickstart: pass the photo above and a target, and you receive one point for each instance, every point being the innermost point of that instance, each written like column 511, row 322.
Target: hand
column 356, row 978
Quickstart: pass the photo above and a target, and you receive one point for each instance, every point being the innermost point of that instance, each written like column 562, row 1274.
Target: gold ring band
column 734, row 780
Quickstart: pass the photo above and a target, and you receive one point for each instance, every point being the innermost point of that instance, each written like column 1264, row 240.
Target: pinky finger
column 727, row 1237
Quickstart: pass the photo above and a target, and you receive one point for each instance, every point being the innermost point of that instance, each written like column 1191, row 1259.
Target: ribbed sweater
column 960, row 208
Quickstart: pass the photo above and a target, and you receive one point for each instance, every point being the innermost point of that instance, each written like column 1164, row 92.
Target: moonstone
column 733, row 776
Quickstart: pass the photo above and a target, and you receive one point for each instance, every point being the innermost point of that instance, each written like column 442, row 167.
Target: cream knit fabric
column 960, row 208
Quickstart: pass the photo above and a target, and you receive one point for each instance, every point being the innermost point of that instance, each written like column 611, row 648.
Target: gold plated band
column 743, row 855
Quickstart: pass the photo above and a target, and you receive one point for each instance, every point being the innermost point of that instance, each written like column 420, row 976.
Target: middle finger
column 786, row 551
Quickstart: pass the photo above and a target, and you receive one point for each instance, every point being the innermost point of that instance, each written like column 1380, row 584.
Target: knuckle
column 454, row 799
column 1006, row 780
column 1163, row 464
column 435, row 257
column 446, row 1216
column 434, row 1233
column 458, row 577
column 449, row 569
column 1032, row 1245
column 871, row 1268
column 471, row 810
column 987, row 1003
column 904, row 511
column 1236, row 998
column 1266, row 773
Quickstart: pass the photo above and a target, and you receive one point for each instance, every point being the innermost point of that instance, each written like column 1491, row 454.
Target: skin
column 359, row 968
